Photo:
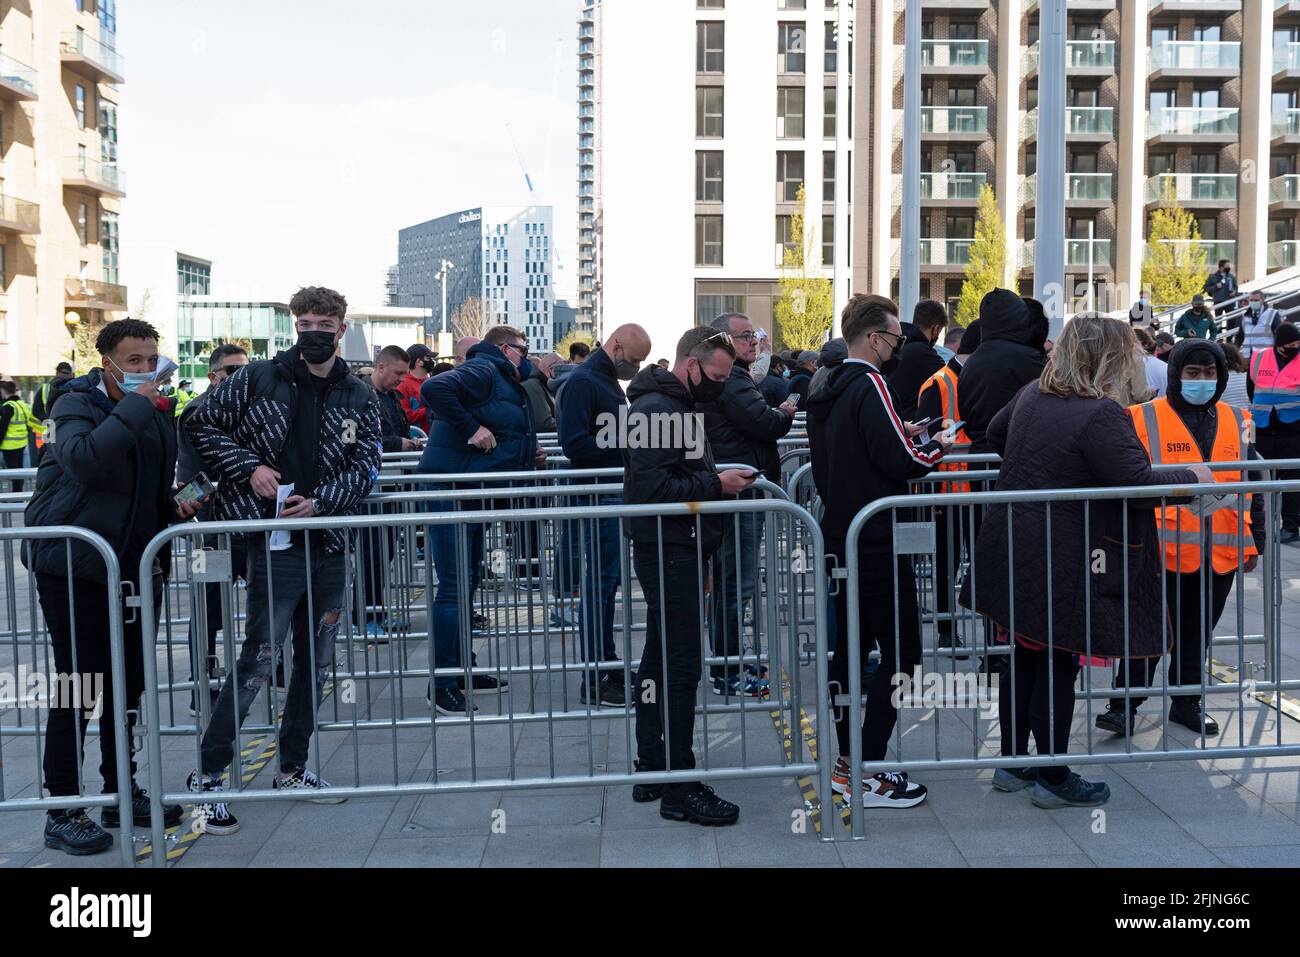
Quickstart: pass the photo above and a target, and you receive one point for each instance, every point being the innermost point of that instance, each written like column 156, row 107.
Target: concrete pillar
column 1006, row 182
column 1049, row 220
column 1130, row 209
column 1256, row 137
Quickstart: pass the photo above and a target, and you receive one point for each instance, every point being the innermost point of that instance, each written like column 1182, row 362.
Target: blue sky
column 288, row 142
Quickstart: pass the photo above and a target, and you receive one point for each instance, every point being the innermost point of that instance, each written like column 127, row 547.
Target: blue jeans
column 602, row 571
column 734, row 588
column 458, row 578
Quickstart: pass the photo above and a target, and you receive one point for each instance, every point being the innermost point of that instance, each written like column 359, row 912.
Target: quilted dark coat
column 1048, row 442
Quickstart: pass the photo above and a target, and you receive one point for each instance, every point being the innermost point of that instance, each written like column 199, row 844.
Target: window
column 828, row 176
column 709, row 4
column 789, row 176
column 1282, row 164
column 82, row 213
column 708, row 112
column 829, row 95
column 784, row 238
column 1209, row 226
column 791, row 5
column 108, row 132
column 961, row 95
column 1281, row 230
column 1161, row 35
column 708, row 176
column 962, row 30
column 109, row 245
column 1207, row 33
column 828, row 240
column 952, row 295
column 1206, row 99
column 1031, row 95
column 1160, row 99
column 791, row 47
column 1029, row 226
column 1077, row 227
column 708, row 240
column 4, row 269
column 830, row 47
column 789, row 112
column 961, row 227
column 1083, row 162
column 81, row 106
column 1087, row 96
column 709, row 42
column 963, row 161
column 1205, row 163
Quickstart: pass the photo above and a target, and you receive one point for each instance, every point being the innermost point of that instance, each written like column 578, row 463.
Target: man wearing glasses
column 482, row 422
column 743, row 430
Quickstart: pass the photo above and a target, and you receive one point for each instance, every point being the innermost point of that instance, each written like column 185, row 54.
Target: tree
column 804, row 308
column 82, row 352
column 1175, row 266
column 575, row 335
column 987, row 268
column 469, row 319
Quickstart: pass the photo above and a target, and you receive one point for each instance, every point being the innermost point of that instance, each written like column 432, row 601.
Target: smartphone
column 956, row 427
column 793, row 398
column 194, row 493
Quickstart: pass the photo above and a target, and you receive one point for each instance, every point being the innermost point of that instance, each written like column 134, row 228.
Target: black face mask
column 315, row 346
column 706, row 391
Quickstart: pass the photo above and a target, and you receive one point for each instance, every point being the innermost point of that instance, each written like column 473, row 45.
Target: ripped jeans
column 274, row 594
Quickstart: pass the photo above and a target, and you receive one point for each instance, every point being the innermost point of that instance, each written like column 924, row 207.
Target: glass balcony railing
column 17, row 74
column 954, row 53
column 945, row 252
column 1284, row 189
column 104, row 175
column 1079, row 121
column 1081, row 252
column 954, row 119
column 100, row 294
column 1192, row 187
column 1215, row 249
column 1286, row 56
column 943, row 186
column 1081, row 54
column 1286, row 123
column 1283, row 255
column 17, row 213
column 1079, row 187
column 1192, row 121
column 1194, row 55
column 90, row 48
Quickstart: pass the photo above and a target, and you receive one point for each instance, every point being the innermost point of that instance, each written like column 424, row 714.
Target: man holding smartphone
column 301, row 420
column 109, row 469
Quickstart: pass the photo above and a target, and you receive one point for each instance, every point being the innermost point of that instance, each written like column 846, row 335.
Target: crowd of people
column 300, row 435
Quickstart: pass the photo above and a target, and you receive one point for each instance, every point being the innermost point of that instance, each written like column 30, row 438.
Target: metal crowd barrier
column 29, row 666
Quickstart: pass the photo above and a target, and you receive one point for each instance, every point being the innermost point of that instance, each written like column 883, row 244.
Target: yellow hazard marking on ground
column 1287, row 704
column 807, row 786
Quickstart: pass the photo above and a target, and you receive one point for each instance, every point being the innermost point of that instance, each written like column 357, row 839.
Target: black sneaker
column 111, row 817
column 607, row 691
column 214, row 817
column 1288, row 535
column 697, row 804
column 1190, row 715
column 73, row 832
column 1116, row 720
column 451, row 702
column 304, row 780
column 645, row 793
column 485, row 683
column 481, row 621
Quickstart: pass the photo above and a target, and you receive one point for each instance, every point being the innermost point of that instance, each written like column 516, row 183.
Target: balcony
column 1192, row 124
column 1215, row 249
column 1077, row 253
column 1198, row 59
column 1083, row 190
column 1286, row 127
column 1284, row 191
column 92, row 176
column 1193, row 190
column 1283, row 255
column 97, row 62
column 955, row 4
column 1286, row 63
column 952, row 189
column 1083, row 124
column 967, row 123
column 18, row 217
column 955, row 57
column 1082, row 58
column 91, row 294
column 17, row 80
column 1192, row 7
column 945, row 255
column 1077, row 5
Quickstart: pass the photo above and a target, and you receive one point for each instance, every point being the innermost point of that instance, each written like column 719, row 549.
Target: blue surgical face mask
column 785, row 374
column 133, row 380
column 944, row 354
column 1199, row 391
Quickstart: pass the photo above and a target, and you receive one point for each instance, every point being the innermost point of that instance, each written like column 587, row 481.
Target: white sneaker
column 892, row 790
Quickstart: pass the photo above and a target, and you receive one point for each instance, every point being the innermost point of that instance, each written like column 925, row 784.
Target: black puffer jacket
column 1005, row 362
column 917, row 361
column 1048, row 442
column 801, row 385
column 743, row 428
column 91, row 478
column 672, row 472
column 246, row 420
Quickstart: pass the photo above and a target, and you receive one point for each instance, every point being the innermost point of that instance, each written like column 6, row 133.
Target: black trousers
column 1283, row 445
column 665, row 697
column 65, row 731
column 1193, row 612
column 886, row 586
column 380, row 549
column 14, row 460
column 950, row 542
column 1042, row 703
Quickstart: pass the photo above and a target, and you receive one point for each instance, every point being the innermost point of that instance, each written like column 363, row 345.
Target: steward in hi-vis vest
column 1274, row 389
column 1202, row 553
column 17, row 425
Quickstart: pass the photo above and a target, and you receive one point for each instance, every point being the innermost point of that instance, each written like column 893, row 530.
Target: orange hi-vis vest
column 945, row 380
column 1169, row 442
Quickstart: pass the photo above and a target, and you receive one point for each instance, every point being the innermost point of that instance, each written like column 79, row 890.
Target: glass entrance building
column 203, row 323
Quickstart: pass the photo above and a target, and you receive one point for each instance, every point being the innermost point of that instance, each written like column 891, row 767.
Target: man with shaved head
column 463, row 347
column 592, row 393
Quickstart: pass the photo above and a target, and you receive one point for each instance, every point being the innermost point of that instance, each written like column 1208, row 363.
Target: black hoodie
column 676, row 473
column 1007, row 360
column 917, row 361
column 860, row 452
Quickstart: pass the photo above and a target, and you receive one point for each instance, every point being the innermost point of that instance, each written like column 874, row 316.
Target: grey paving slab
column 570, row 846
column 1034, row 862
column 1274, row 856
column 433, row 852
column 679, row 845
column 985, row 822
column 1215, row 809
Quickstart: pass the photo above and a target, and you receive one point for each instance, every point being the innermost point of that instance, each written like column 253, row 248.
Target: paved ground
column 1234, row 812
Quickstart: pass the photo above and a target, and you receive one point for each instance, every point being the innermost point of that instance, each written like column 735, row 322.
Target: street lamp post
column 909, row 264
column 842, row 283
column 445, row 268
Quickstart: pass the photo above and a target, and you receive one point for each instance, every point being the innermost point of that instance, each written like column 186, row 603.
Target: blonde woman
column 1054, row 574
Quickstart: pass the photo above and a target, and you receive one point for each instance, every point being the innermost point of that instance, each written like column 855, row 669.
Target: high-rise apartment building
column 700, row 123
column 60, row 185
column 501, row 257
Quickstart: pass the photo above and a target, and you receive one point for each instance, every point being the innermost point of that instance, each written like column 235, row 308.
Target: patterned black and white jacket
column 245, row 421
